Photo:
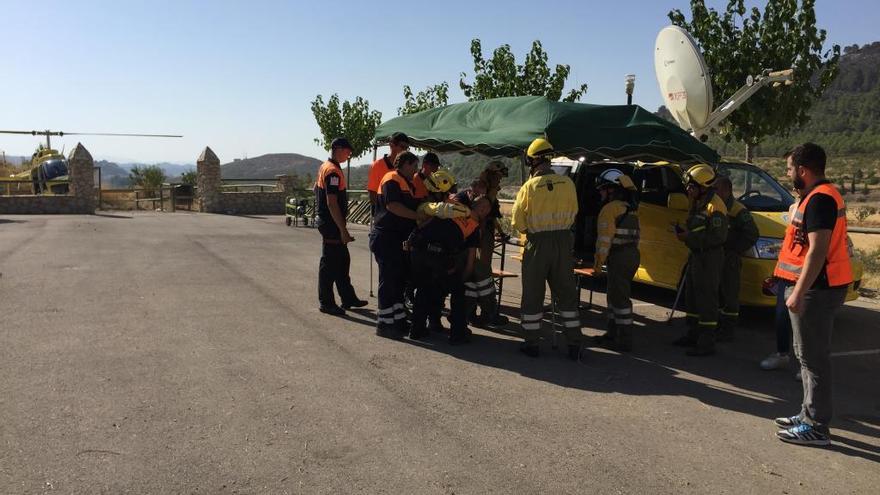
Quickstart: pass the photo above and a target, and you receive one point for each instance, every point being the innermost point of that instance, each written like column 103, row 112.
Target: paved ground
column 182, row 353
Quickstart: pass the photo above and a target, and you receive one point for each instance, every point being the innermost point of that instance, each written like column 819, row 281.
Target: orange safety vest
column 395, row 176
column 795, row 245
column 419, row 189
column 325, row 170
column 467, row 224
column 378, row 171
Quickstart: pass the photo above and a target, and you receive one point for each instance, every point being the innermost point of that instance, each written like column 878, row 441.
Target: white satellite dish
column 683, row 77
column 687, row 88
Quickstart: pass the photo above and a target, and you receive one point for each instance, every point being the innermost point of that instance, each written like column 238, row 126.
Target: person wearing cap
column 617, row 248
column 394, row 220
column 741, row 236
column 331, row 199
column 430, row 164
column 544, row 211
column 399, row 143
column 704, row 233
column 494, row 172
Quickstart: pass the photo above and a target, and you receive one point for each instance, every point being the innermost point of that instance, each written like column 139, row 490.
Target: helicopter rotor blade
column 29, row 133
column 118, row 134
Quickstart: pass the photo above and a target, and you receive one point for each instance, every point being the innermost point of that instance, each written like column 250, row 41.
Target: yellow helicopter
column 48, row 172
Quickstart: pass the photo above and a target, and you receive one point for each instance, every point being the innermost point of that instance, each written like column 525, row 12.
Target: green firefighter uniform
column 544, row 211
column 617, row 247
column 741, row 236
column 707, row 232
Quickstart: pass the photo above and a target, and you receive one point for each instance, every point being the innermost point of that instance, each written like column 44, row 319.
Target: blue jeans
column 782, row 320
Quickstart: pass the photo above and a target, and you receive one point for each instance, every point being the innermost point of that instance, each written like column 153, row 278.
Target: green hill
column 845, row 120
column 270, row 165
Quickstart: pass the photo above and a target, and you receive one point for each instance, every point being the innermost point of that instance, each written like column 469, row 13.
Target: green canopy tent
column 506, row 127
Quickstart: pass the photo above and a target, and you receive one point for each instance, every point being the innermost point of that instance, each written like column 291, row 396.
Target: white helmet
column 614, row 177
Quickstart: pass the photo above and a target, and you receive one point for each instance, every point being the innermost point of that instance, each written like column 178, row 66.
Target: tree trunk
column 750, row 152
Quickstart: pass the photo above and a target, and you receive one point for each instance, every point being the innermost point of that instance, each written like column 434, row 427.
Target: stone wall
column 80, row 199
column 45, row 205
column 211, row 199
column 252, row 203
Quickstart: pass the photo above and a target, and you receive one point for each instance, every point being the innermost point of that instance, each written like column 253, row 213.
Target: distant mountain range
column 270, row 165
column 845, row 120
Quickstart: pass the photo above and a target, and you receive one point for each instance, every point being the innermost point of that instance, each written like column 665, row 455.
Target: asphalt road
column 183, row 353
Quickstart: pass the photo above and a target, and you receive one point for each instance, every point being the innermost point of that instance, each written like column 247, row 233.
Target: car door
column 662, row 255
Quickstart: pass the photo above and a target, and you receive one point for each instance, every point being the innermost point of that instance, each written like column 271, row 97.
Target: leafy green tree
column 188, row 177
column 148, row 177
column 739, row 42
column 354, row 120
column 501, row 76
column 431, row 97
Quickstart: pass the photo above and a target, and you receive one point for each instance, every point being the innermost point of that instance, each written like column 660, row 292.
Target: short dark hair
column 404, row 158
column 400, row 138
column 431, row 158
column 810, row 156
column 341, row 143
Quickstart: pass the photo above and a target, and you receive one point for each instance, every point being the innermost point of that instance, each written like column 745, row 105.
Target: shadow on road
column 731, row 380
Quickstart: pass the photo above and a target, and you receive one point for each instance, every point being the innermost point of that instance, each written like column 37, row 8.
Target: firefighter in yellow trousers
column 704, row 234
column 544, row 211
column 618, row 248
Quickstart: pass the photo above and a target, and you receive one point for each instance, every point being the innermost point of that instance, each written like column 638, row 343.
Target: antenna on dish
column 685, row 83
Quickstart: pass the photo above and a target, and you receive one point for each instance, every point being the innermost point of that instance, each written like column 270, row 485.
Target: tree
column 189, row 177
column 148, row 177
column 354, row 120
column 431, row 97
column 740, row 42
column 502, row 76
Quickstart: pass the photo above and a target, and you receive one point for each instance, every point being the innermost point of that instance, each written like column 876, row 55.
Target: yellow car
column 662, row 202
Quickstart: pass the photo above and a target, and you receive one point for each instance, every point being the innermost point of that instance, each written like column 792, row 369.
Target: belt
column 707, row 250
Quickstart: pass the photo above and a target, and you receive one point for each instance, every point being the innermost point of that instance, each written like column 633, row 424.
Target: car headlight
column 765, row 248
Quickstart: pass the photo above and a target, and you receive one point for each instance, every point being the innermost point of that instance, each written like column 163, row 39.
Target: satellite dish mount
column 686, row 85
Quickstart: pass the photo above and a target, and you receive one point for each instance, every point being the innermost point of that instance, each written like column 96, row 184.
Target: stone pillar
column 208, row 182
column 81, row 176
column 286, row 183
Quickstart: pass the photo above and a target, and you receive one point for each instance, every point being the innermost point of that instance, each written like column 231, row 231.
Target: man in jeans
column 814, row 262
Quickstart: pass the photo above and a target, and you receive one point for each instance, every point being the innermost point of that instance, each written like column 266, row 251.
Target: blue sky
column 239, row 76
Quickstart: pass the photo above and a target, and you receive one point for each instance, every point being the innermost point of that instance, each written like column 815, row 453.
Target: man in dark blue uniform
column 332, row 204
column 443, row 253
column 394, row 219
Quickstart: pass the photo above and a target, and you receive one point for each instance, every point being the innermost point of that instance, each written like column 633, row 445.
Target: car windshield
column 755, row 188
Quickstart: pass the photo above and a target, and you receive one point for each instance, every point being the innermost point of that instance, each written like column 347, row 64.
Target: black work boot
column 726, row 329
column 705, row 345
column 530, row 349
column 459, row 337
column 689, row 339
column 623, row 339
column 607, row 338
column 389, row 331
column 418, row 332
column 435, row 325
column 574, row 351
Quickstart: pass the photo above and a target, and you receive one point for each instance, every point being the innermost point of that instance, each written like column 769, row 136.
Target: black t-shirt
column 387, row 222
column 333, row 185
column 820, row 214
column 447, row 234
